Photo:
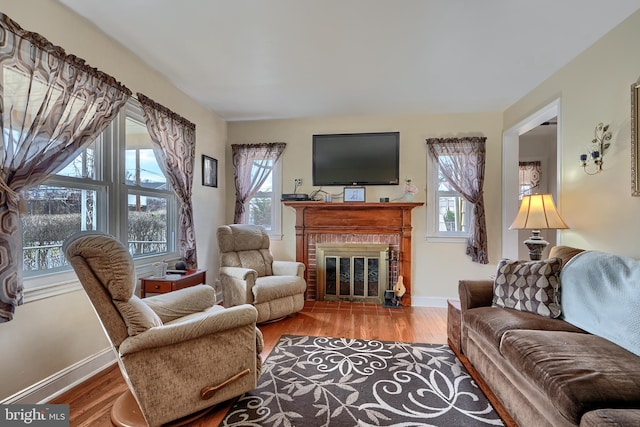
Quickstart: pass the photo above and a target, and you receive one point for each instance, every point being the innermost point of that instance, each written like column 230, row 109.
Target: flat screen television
column 356, row 159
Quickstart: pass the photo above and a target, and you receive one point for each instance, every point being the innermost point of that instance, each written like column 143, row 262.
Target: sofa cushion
column 611, row 418
column 493, row 322
column 530, row 286
column 578, row 372
column 565, row 253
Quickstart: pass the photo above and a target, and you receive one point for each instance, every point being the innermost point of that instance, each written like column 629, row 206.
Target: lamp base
column 536, row 245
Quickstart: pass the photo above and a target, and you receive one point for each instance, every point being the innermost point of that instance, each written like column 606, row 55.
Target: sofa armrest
column 237, row 285
column 241, row 273
column 475, row 293
column 173, row 305
column 191, row 327
column 288, row 268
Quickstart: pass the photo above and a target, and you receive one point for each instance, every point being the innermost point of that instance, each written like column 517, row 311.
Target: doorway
column 535, row 138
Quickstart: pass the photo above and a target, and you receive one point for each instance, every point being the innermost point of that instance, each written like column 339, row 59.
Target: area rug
column 320, row 381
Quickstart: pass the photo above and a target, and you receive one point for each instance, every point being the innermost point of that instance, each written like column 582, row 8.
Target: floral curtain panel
column 462, row 161
column 252, row 164
column 53, row 104
column 174, row 138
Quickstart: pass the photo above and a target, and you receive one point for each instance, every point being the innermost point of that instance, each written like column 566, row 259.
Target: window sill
column 447, row 239
column 51, row 285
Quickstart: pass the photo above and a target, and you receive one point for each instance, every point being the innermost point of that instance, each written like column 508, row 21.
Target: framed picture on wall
column 354, row 194
column 209, row 171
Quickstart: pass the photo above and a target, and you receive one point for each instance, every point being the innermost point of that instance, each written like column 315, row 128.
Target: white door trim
column 510, row 154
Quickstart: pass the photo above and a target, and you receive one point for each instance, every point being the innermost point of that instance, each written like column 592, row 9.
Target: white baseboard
column 45, row 390
column 440, row 302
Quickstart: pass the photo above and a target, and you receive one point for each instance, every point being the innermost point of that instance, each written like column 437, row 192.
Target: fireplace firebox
column 352, row 272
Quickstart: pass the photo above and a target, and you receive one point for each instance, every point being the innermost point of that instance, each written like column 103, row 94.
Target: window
column 64, row 204
column 148, row 200
column 448, row 215
column 529, row 174
column 86, row 195
column 264, row 208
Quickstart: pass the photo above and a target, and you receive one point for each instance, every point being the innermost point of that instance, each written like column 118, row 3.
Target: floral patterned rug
column 320, row 381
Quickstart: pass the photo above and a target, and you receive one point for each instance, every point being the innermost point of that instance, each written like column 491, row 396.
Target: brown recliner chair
column 178, row 352
column 249, row 274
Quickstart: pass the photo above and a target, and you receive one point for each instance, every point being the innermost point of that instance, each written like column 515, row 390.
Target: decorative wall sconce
column 592, row 161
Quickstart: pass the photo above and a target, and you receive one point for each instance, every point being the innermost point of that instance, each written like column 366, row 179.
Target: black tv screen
column 356, row 159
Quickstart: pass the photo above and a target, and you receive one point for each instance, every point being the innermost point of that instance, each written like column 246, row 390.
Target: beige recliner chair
column 249, row 275
column 178, row 352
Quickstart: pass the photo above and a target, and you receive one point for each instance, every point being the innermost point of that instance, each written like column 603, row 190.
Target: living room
column 594, row 87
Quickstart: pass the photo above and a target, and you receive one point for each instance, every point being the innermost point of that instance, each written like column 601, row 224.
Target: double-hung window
column 114, row 185
column 70, row 201
column 151, row 213
column 264, row 207
column 448, row 215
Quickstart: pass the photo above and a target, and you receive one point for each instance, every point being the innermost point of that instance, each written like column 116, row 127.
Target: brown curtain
column 247, row 179
column 53, row 104
column 174, row 139
column 462, row 161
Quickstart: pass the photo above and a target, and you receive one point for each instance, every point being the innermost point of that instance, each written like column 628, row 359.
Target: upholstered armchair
column 249, row 274
column 178, row 352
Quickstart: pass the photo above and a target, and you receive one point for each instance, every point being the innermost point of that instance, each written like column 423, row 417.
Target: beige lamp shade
column 537, row 212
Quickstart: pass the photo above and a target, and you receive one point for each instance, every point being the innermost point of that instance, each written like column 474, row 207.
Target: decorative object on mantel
column 595, row 154
column 409, row 190
column 537, row 211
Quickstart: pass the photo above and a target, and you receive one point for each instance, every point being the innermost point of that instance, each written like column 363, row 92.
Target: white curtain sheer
column 53, row 105
column 252, row 165
column 462, row 161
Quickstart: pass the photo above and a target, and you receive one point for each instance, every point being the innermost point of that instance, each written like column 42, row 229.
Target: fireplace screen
column 352, row 272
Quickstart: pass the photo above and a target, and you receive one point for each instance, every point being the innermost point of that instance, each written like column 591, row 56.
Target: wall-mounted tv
column 356, row 159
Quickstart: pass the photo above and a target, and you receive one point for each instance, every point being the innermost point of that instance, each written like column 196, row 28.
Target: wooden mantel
column 347, row 218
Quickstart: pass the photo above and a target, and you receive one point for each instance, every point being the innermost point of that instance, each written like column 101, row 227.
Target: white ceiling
column 265, row 59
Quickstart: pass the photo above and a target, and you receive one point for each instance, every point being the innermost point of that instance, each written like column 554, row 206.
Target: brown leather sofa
column 546, row 371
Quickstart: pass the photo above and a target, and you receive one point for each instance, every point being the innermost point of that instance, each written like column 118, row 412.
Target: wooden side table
column 171, row 282
column 454, row 325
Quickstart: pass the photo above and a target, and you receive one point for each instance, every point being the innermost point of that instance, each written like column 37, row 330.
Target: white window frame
column 112, row 216
column 433, row 207
column 133, row 110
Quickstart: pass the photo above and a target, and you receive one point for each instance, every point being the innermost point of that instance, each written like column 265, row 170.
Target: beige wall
column 54, row 333
column 593, row 88
column 49, row 335
column 437, row 267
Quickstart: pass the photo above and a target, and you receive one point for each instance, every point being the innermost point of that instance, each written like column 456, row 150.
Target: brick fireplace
column 353, row 223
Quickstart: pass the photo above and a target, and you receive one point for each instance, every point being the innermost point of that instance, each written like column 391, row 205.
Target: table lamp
column 537, row 212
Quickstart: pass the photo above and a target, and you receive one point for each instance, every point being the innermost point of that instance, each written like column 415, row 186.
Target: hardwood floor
column 90, row 402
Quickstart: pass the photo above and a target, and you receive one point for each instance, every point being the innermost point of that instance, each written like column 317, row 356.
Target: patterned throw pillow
column 531, row 286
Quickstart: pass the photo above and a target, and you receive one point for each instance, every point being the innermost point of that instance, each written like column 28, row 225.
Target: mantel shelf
column 353, row 205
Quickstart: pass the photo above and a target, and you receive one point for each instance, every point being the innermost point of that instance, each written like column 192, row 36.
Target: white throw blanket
column 600, row 293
